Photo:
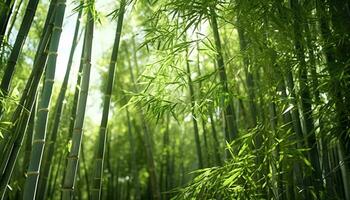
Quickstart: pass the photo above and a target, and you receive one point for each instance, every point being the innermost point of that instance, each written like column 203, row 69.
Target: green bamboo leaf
column 232, row 179
column 288, row 109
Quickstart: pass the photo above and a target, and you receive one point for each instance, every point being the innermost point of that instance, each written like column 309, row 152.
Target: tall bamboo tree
column 306, row 108
column 31, row 184
column 16, row 50
column 5, row 13
column 194, row 116
column 21, row 115
column 77, row 135
column 100, row 153
column 14, row 16
column 51, row 141
column 231, row 129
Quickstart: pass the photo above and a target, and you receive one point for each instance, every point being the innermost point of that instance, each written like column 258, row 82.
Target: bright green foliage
column 197, row 99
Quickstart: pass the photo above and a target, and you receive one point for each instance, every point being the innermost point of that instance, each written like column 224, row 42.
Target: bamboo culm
column 16, row 50
column 97, row 181
column 51, row 142
column 31, row 184
column 21, row 115
column 77, row 135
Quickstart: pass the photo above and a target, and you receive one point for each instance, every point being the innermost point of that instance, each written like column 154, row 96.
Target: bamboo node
column 50, row 80
column 78, row 130
column 32, row 173
column 43, row 109
column 57, row 28
column 73, row 157
column 67, row 189
column 39, row 141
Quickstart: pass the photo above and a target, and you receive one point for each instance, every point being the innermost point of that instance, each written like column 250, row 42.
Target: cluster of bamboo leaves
column 200, row 99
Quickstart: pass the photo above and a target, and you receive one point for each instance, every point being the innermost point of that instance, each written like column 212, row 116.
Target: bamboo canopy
column 174, row 99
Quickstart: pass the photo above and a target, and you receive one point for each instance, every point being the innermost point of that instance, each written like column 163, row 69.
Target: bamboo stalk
column 98, row 173
column 230, row 124
column 51, row 142
column 5, row 14
column 16, row 50
column 36, row 156
column 194, row 116
column 21, row 115
column 77, row 135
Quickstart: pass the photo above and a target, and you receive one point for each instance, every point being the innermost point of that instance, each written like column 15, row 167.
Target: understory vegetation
column 175, row 99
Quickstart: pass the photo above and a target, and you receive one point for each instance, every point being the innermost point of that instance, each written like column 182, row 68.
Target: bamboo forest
column 175, row 99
